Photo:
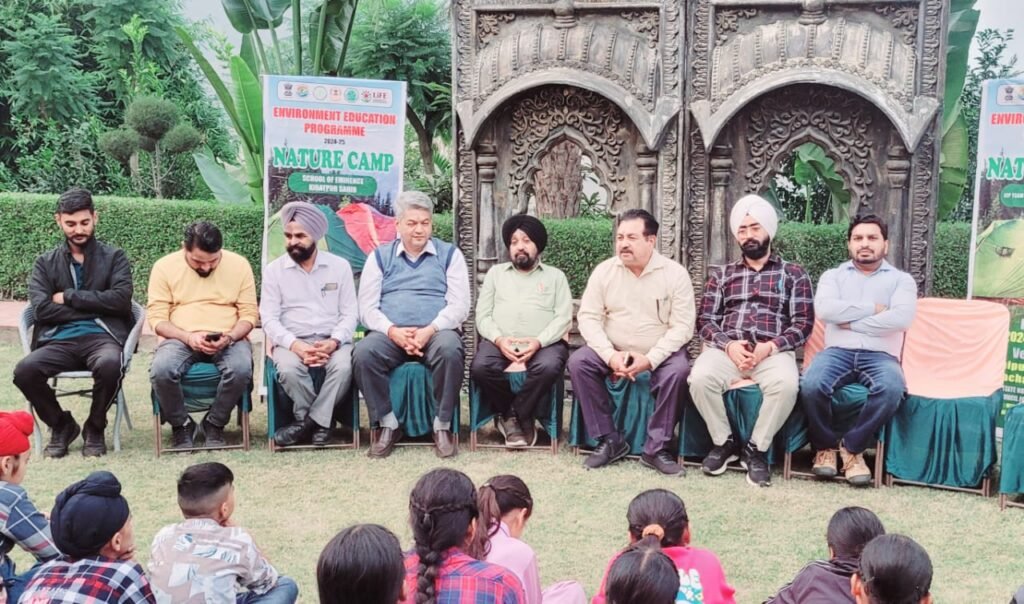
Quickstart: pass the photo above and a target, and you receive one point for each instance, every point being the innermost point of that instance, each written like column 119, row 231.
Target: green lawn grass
column 295, row 502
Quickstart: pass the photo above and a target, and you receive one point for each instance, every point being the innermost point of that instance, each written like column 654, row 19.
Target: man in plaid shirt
column 92, row 526
column 20, row 522
column 754, row 314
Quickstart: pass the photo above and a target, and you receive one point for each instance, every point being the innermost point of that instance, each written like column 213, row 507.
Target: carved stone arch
column 605, row 172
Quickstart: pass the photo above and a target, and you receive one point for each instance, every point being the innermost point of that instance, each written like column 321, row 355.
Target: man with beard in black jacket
column 82, row 296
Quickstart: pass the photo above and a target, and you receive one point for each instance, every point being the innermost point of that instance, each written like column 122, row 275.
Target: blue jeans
column 285, row 592
column 13, row 583
column 834, row 368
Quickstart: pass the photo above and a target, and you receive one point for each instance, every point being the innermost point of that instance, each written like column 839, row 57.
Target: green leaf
column 337, row 28
column 248, row 99
column 263, row 14
column 226, row 188
column 963, row 21
column 248, row 53
column 953, row 161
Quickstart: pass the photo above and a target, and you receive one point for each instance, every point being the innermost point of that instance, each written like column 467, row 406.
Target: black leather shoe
column 444, row 443
column 385, row 442
column 61, row 437
column 321, row 437
column 95, row 445
column 295, row 433
column 184, row 436
column 214, row 435
column 607, row 451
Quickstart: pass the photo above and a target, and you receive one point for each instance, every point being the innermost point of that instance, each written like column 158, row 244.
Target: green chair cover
column 950, row 442
column 1011, row 474
column 549, row 410
column 742, row 406
column 846, row 406
column 632, row 406
column 412, row 399
column 279, row 404
column 199, row 387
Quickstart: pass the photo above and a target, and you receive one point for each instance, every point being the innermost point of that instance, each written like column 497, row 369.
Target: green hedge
column 147, row 229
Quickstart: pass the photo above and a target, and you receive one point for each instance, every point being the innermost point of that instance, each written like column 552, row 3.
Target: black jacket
column 820, row 582
column 106, row 293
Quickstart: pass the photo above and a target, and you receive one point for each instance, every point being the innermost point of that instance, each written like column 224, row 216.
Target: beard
column 299, row 253
column 861, row 261
column 754, row 249
column 85, row 239
column 524, row 261
column 202, row 272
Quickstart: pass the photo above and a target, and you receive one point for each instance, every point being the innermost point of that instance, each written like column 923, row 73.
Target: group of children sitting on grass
column 467, row 548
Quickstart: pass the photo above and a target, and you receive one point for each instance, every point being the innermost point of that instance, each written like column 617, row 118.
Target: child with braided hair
column 443, row 518
column 505, row 506
column 657, row 518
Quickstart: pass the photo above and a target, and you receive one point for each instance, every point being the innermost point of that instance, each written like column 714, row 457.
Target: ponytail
column 441, row 507
column 657, row 514
column 495, row 498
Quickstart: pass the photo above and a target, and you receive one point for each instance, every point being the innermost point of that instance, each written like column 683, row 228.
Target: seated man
column 21, row 523
column 202, row 301
column 413, row 297
column 81, row 293
column 207, row 558
column 523, row 312
column 866, row 305
column 636, row 315
column 309, row 314
column 754, row 314
column 92, row 527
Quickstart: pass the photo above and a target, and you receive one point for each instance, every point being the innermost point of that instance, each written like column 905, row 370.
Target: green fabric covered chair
column 199, row 386
column 279, row 407
column 480, row 412
column 632, row 405
column 1011, row 474
column 412, row 401
column 954, row 358
column 742, row 406
column 846, row 406
column 962, row 430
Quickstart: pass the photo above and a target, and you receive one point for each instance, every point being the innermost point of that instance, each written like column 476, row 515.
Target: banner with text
column 338, row 143
column 997, row 239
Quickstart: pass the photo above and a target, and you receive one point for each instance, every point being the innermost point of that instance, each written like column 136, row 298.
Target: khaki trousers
column 713, row 372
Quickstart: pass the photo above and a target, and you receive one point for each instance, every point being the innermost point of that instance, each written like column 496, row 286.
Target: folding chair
column 199, row 386
column 1011, row 474
column 632, row 406
column 25, row 326
column 412, row 402
column 943, row 435
column 847, row 403
column 279, row 407
column 480, row 413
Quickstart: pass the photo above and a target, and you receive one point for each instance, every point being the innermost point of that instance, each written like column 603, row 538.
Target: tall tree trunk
column 425, row 139
column 558, row 182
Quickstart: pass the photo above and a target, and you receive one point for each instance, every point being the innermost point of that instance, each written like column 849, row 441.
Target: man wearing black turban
column 523, row 314
column 92, row 525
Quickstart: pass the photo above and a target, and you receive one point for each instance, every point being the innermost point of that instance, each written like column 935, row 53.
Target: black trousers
column 100, row 354
column 488, row 371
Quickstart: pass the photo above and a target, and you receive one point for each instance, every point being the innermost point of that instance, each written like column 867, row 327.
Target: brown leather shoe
column 444, row 443
column 385, row 442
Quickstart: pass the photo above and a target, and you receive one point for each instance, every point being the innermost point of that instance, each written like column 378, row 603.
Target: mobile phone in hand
column 213, row 337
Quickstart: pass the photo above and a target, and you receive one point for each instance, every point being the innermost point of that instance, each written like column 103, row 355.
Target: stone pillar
column 647, row 171
column 719, row 237
column 487, row 229
column 897, row 170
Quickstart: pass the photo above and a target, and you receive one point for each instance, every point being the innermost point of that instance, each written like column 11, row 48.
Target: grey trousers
column 172, row 360
column 376, row 356
column 714, row 372
column 294, row 377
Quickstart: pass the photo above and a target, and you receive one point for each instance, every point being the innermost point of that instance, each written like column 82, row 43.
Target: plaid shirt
column 21, row 523
column 88, row 581
column 774, row 304
column 465, row 580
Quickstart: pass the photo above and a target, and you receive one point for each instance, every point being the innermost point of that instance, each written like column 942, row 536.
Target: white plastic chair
column 25, row 326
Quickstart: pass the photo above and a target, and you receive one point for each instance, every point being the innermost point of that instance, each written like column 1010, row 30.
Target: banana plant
column 953, row 151
column 328, row 38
